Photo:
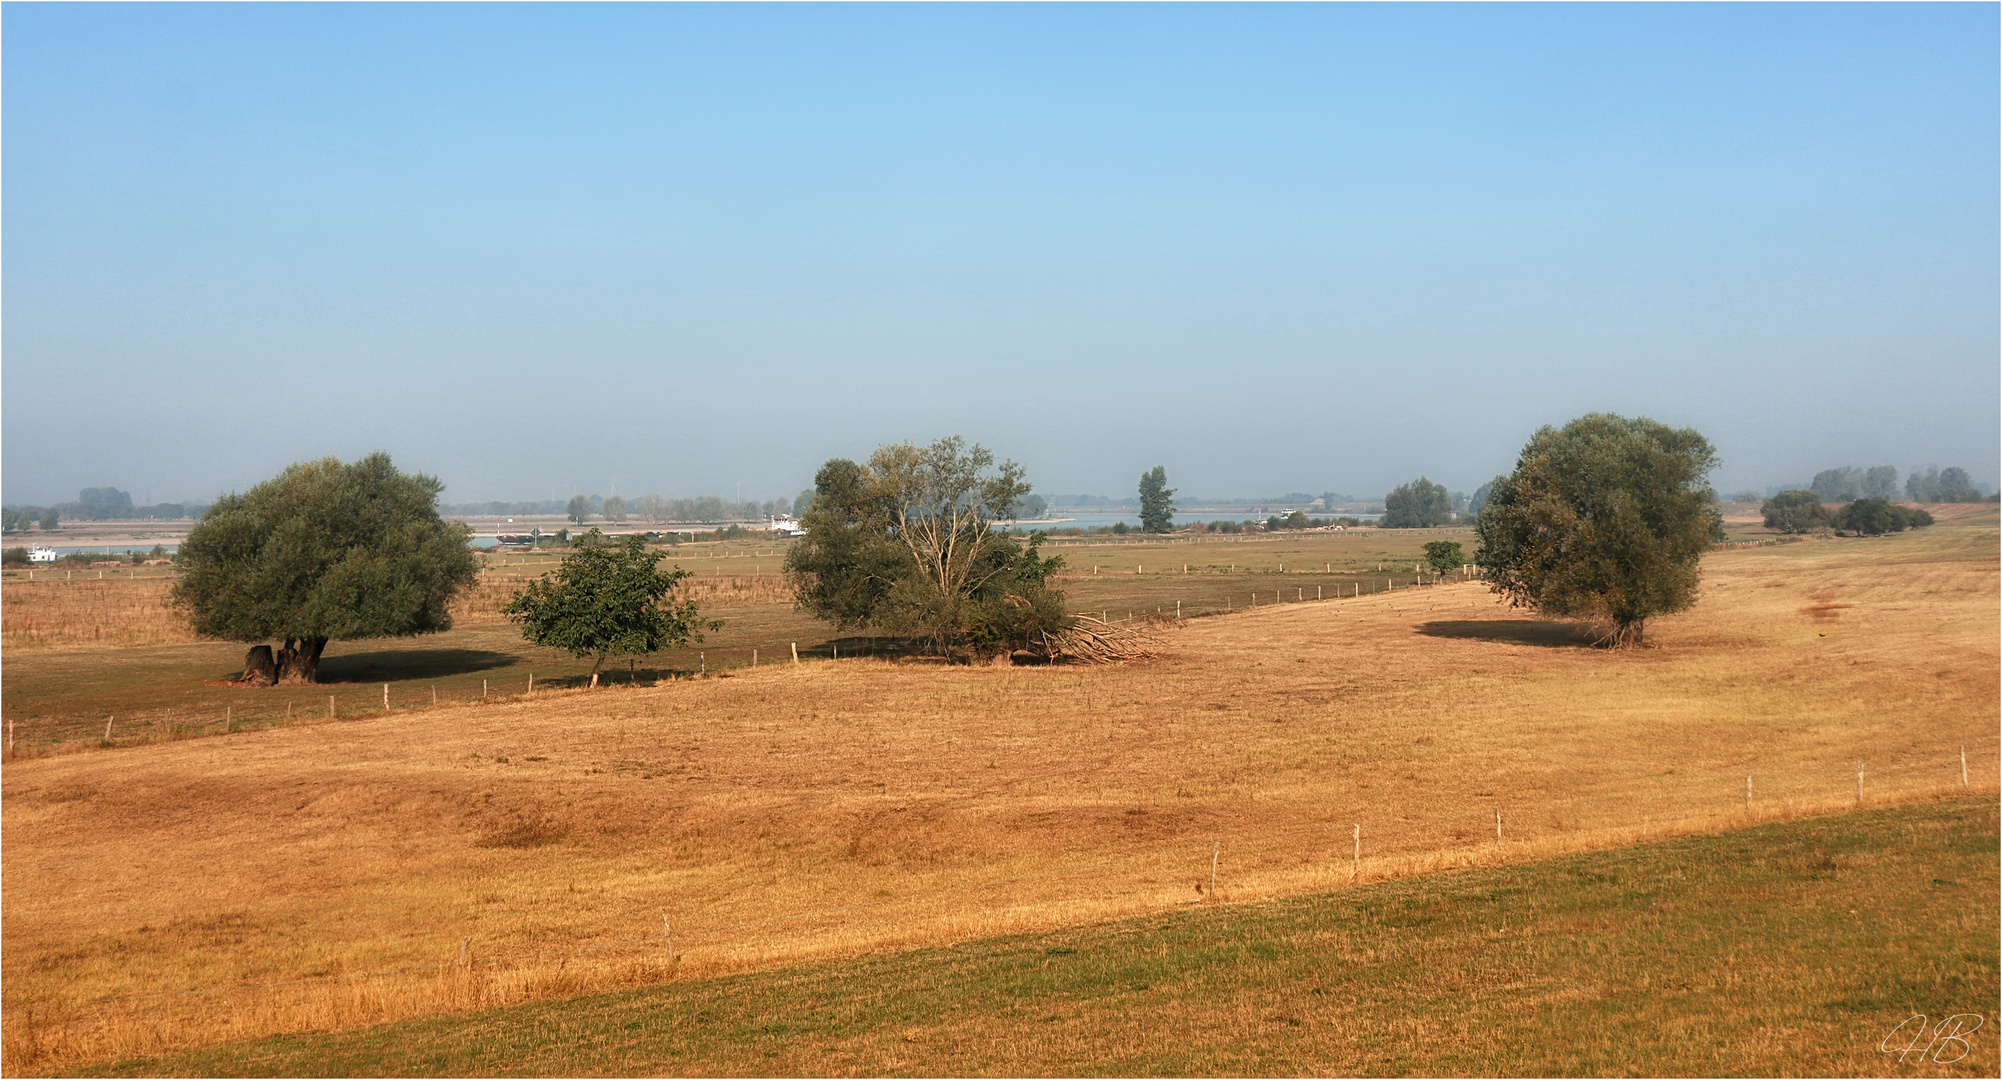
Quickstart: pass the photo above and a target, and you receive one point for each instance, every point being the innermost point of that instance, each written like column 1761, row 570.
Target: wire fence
column 1249, row 866
column 112, row 728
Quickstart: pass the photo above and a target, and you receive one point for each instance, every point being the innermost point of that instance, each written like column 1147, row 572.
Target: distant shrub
column 1874, row 517
column 1796, row 511
column 14, row 556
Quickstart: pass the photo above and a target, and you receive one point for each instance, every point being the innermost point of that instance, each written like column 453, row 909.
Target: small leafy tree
column 607, row 600
column 1157, row 501
column 1420, row 504
column 579, row 508
column 50, row 519
column 1606, row 518
column 1444, row 556
column 615, row 509
column 1795, row 512
column 323, row 552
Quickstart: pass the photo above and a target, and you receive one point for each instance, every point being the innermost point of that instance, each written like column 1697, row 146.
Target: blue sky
column 531, row 248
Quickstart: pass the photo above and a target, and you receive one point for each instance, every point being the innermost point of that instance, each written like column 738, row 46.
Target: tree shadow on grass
column 1540, row 632
column 394, row 665
column 855, row 647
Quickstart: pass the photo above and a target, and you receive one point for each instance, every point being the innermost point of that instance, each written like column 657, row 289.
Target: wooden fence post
column 1216, row 852
column 1355, row 870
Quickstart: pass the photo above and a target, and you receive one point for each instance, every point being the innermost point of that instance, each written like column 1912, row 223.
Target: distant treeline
column 96, row 504
column 1290, row 500
column 652, row 509
column 1848, row 484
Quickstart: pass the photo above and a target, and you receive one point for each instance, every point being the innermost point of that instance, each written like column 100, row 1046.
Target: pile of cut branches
column 1091, row 640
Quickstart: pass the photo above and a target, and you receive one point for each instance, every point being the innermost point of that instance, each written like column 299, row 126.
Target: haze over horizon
column 1273, row 248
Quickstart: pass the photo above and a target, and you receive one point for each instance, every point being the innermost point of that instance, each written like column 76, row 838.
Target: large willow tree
column 323, row 552
column 910, row 544
column 1603, row 519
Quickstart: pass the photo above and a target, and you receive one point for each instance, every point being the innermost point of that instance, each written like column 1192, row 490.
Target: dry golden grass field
column 833, row 809
column 56, row 626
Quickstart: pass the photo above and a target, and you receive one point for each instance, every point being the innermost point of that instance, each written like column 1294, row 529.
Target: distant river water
column 1069, row 519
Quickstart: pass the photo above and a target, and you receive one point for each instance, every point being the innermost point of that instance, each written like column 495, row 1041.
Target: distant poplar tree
column 1420, row 504
column 1837, row 485
column 1881, row 482
column 1157, row 501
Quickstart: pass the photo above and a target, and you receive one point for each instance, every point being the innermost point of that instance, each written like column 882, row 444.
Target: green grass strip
column 1784, row 949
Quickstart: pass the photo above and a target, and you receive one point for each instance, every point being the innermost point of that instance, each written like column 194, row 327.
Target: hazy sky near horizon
column 548, row 248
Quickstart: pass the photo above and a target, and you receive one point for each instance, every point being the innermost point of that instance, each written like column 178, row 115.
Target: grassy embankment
column 1785, row 949
column 576, row 821
column 164, row 684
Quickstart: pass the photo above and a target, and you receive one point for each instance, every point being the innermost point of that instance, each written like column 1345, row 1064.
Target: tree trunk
column 258, row 667
column 299, row 660
column 1627, row 633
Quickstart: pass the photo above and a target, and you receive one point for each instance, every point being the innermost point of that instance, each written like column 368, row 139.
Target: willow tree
column 323, row 552
column 912, row 544
column 1603, row 519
